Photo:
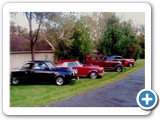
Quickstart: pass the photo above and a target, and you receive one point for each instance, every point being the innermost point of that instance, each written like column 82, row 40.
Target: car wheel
column 119, row 69
column 59, row 81
column 93, row 75
column 130, row 65
column 15, row 81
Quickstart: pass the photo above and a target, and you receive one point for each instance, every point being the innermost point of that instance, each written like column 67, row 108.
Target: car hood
column 62, row 69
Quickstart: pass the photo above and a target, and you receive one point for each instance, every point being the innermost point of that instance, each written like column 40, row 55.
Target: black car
column 42, row 71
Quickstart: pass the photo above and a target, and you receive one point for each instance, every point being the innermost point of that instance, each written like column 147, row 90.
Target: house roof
column 22, row 43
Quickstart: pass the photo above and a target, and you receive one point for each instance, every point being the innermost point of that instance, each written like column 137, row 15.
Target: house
column 20, row 50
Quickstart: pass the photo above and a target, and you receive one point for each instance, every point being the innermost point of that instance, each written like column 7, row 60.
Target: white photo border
column 72, row 7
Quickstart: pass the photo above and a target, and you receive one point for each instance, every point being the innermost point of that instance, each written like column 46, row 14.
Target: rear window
column 26, row 66
column 93, row 58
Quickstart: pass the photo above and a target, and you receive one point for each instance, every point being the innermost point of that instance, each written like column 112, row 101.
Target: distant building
column 20, row 51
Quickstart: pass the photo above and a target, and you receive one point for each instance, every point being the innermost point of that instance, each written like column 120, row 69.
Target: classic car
column 41, row 71
column 101, row 60
column 82, row 69
column 125, row 62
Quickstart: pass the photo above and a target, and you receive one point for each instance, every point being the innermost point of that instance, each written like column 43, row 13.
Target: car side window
column 40, row 66
column 120, row 58
column 101, row 59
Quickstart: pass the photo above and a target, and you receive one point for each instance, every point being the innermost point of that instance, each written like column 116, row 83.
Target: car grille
column 73, row 73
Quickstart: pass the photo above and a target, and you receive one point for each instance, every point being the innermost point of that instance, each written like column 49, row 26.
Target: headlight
column 70, row 68
column 76, row 71
column 120, row 62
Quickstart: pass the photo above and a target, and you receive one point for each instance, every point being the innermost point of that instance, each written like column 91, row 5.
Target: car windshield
column 71, row 64
column 109, row 58
column 50, row 65
column 78, row 63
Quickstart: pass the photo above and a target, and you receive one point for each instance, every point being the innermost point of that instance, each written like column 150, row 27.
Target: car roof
column 37, row 61
column 114, row 56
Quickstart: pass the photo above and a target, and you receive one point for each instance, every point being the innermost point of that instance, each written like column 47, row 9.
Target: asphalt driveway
column 119, row 94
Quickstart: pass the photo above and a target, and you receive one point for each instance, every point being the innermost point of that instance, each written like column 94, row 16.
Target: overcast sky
column 137, row 17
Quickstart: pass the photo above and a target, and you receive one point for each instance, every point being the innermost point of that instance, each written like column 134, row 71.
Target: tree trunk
column 33, row 41
column 32, row 52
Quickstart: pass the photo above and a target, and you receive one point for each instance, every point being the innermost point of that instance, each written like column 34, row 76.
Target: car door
column 25, row 72
column 101, row 61
column 41, row 73
column 94, row 60
column 81, row 71
column 110, row 63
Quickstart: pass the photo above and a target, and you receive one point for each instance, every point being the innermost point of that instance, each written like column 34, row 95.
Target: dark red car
column 101, row 60
column 125, row 62
column 91, row 71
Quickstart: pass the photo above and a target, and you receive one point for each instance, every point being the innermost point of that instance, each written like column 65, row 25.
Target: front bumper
column 71, row 78
column 101, row 73
column 74, row 79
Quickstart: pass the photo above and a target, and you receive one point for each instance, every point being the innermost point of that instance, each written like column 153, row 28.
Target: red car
column 125, row 62
column 82, row 70
column 101, row 60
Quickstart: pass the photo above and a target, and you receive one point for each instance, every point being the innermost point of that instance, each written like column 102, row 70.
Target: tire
column 59, row 81
column 130, row 65
column 15, row 81
column 93, row 75
column 119, row 69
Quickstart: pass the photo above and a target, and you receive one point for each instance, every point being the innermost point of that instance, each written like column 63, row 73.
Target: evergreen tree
column 81, row 42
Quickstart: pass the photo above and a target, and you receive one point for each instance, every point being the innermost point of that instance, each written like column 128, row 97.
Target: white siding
column 16, row 60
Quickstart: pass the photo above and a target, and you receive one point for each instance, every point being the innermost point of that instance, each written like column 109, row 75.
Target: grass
column 39, row 95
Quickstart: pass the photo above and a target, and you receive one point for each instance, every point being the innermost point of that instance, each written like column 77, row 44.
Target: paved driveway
column 119, row 94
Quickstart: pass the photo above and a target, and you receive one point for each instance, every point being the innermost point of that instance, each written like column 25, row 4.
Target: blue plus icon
column 147, row 99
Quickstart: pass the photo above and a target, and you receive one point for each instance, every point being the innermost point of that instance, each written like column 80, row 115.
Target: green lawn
column 39, row 95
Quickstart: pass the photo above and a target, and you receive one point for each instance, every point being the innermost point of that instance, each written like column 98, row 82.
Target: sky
column 21, row 20
column 137, row 17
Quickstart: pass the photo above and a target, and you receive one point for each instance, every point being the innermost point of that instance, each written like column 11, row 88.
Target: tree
column 95, row 22
column 118, row 38
column 17, row 30
column 110, row 36
column 58, row 32
column 82, row 43
column 141, row 38
column 38, row 16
